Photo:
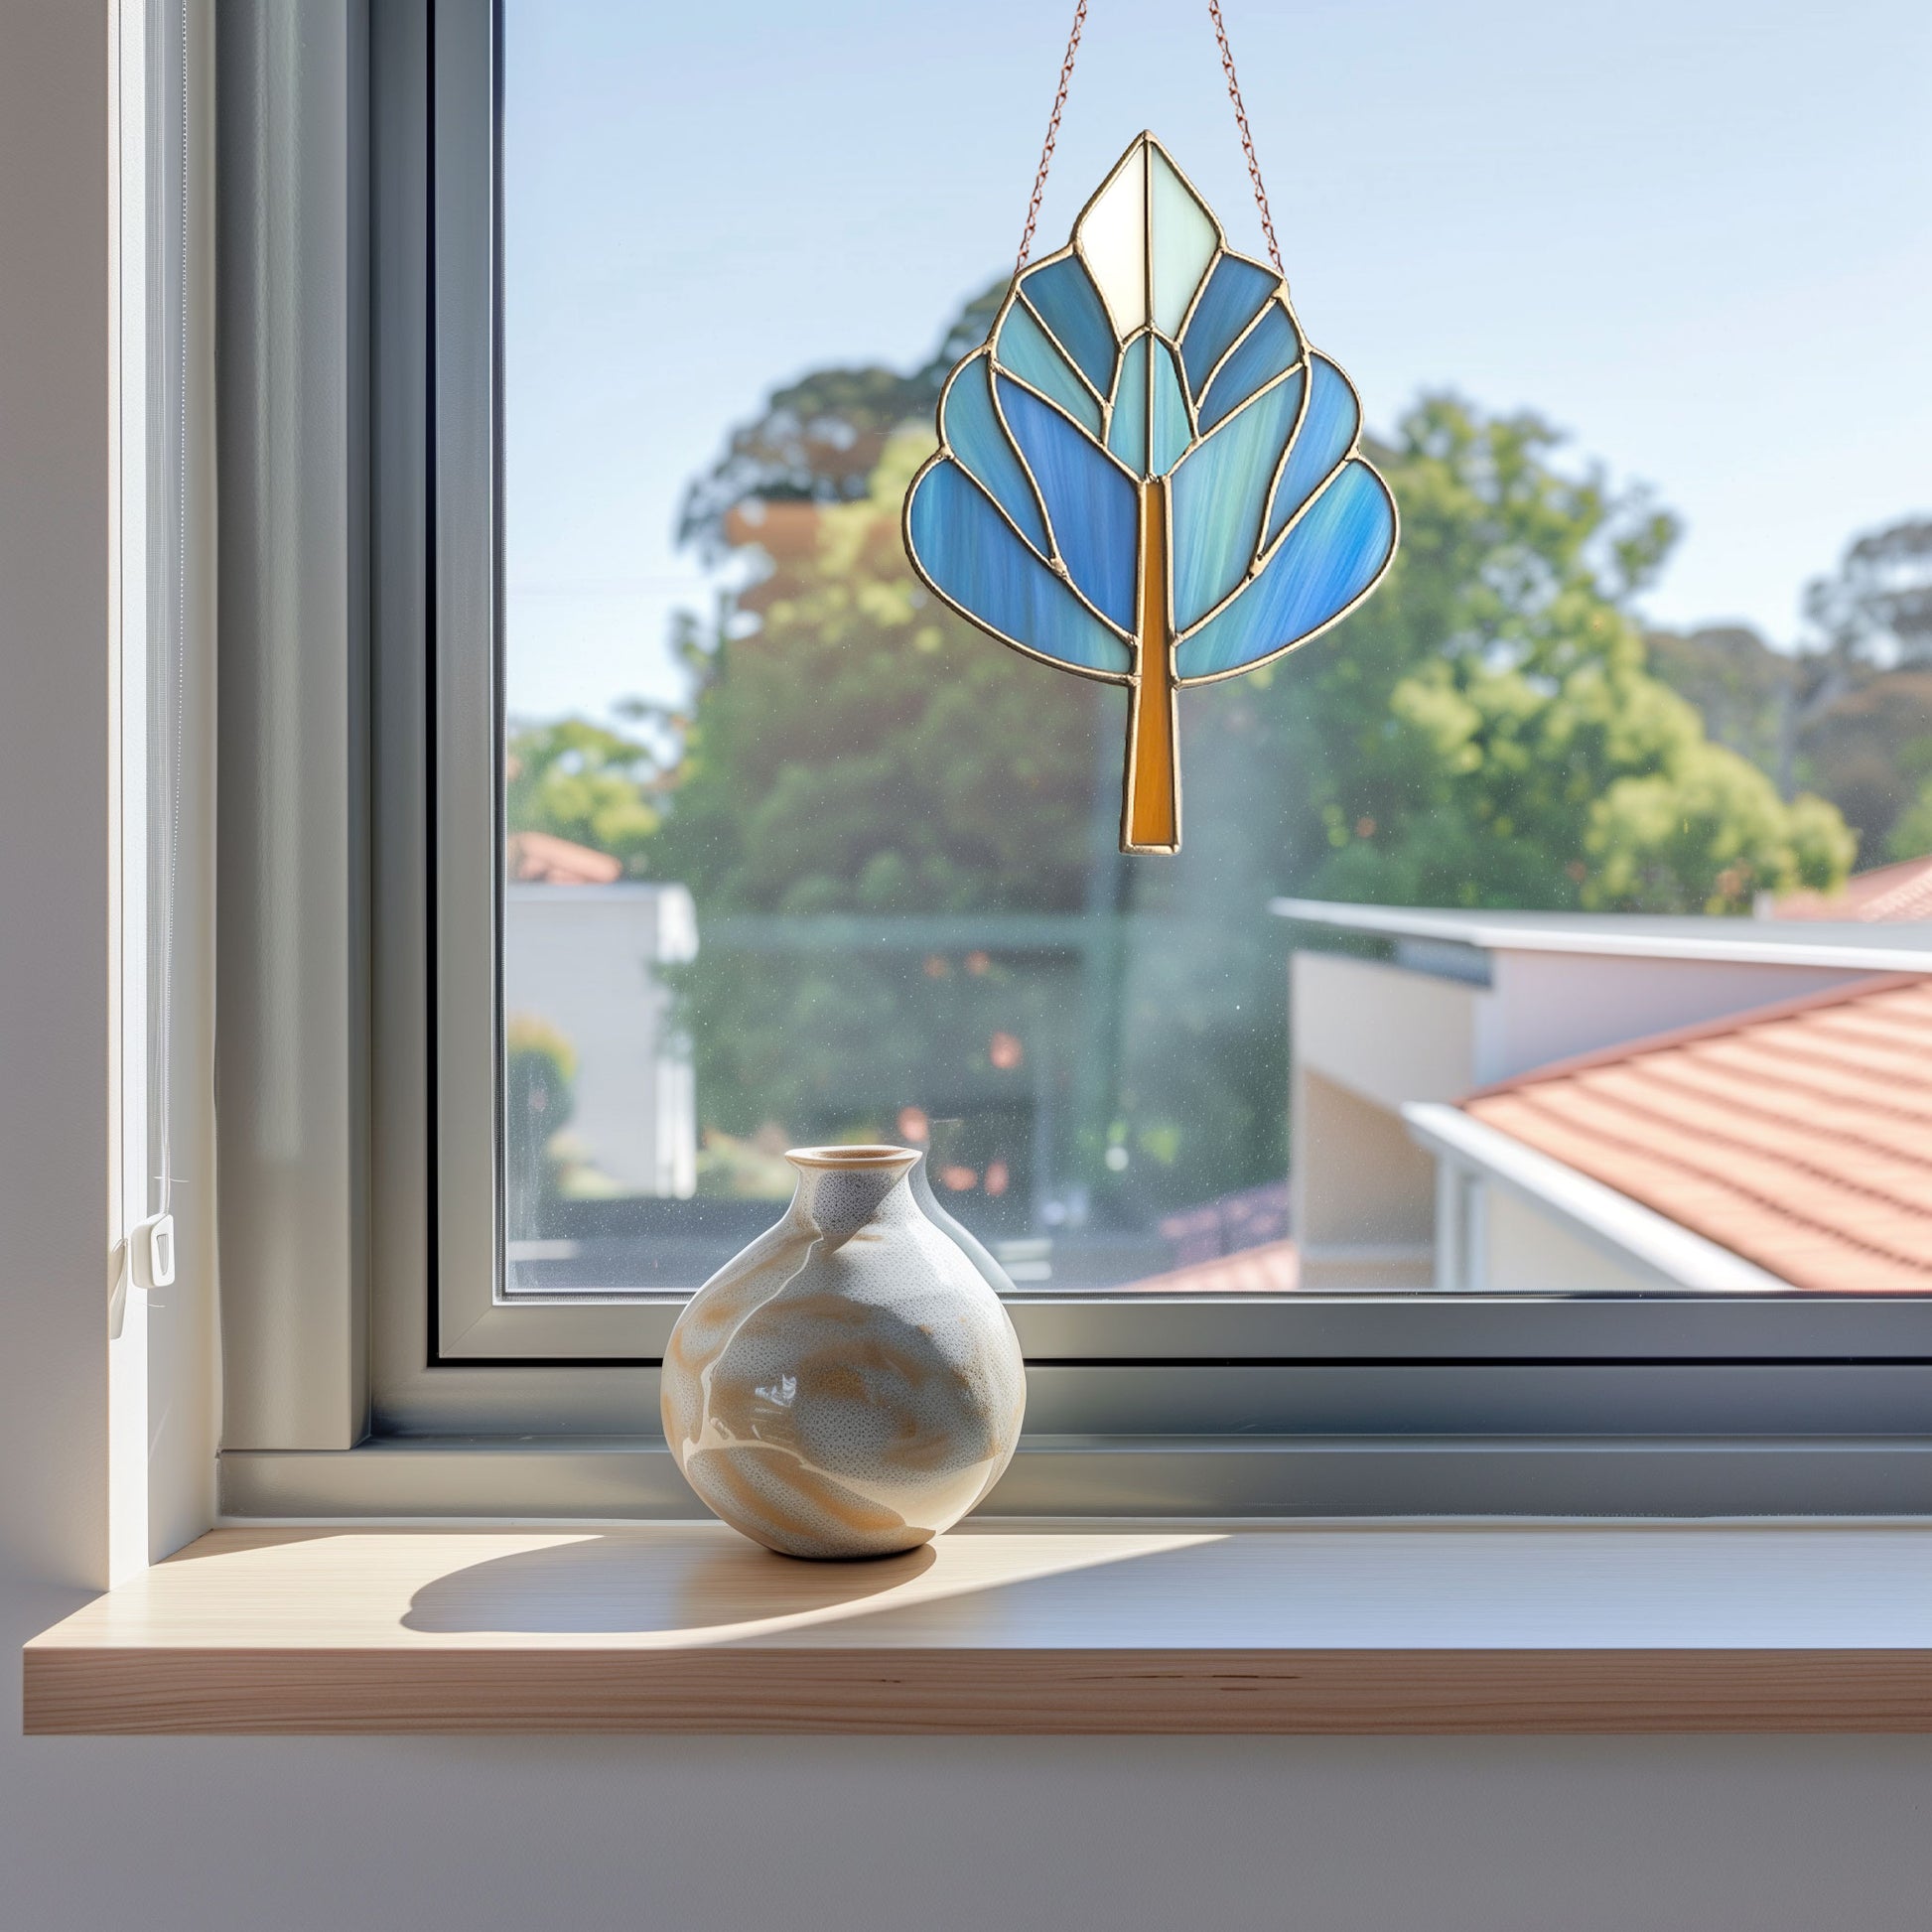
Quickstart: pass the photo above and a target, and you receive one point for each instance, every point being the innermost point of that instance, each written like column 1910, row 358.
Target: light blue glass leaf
column 1182, row 241
column 1219, row 493
column 1172, row 429
column 1232, row 298
column 1127, row 432
column 975, row 435
column 1092, row 504
column 968, row 552
column 1268, row 349
column 1189, row 361
column 1330, row 559
column 1025, row 348
column 1066, row 300
column 1111, row 238
column 1326, row 435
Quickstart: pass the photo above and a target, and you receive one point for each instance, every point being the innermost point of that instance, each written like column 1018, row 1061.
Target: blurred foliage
column 820, row 439
column 1877, row 607
column 821, row 1045
column 539, row 1078
column 1483, row 731
column 1868, row 750
column 580, row 781
column 1911, row 832
column 1487, row 731
column 746, row 1167
column 1740, row 687
column 1848, row 714
column 1823, row 719
column 860, row 749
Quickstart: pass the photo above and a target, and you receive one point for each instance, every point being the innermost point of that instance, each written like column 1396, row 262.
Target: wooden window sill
column 684, row 1627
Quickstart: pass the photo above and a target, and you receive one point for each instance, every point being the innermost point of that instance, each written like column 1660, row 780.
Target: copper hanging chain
column 1247, row 139
column 1240, row 117
column 1052, row 135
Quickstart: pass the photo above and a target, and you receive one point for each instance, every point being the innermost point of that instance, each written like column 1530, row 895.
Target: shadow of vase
column 642, row 1584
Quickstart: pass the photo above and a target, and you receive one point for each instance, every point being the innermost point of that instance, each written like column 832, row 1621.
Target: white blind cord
column 160, row 1229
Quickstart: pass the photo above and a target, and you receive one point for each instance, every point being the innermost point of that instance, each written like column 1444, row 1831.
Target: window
column 793, row 855
column 698, row 831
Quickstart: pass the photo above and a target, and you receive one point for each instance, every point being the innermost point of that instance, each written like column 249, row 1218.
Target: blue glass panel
column 969, row 551
column 1066, row 301
column 1025, row 348
column 1173, row 431
column 1227, row 305
column 1219, row 493
column 975, row 435
column 1325, row 562
column 1268, row 349
column 1093, row 506
column 1127, row 432
column 1328, row 434
column 1180, row 240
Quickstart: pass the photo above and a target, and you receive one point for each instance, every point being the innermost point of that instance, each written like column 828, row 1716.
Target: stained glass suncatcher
column 1145, row 475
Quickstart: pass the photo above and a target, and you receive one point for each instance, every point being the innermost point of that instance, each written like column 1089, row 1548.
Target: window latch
column 152, row 1252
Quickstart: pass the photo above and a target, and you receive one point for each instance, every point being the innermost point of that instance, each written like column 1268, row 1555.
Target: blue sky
column 1696, row 235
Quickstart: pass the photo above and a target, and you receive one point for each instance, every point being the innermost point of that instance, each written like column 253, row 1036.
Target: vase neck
column 843, row 1189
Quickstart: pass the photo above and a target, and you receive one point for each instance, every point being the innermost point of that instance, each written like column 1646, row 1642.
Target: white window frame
column 373, row 1363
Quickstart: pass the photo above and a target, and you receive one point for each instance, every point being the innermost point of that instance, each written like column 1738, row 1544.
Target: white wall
column 1547, row 1006
column 585, row 959
column 1526, row 1250
column 1369, row 1036
column 1386, row 1033
column 675, row 1835
column 1364, row 1191
column 1043, row 1835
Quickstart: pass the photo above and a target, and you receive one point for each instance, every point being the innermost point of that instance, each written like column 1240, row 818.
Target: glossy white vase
column 849, row 1385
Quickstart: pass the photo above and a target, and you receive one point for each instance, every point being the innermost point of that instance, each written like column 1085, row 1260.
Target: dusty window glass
column 794, row 855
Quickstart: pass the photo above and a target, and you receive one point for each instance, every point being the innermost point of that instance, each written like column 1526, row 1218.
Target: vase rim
column 876, row 1155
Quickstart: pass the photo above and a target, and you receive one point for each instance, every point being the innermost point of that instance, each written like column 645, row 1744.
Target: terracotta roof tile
column 1799, row 1136
column 1884, row 896
column 1273, row 1268
column 543, row 858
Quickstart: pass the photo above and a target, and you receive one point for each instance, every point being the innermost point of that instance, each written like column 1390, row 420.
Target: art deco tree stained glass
column 1145, row 475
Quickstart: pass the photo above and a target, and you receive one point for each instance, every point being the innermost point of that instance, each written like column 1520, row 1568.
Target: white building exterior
column 588, row 961
column 1395, row 1187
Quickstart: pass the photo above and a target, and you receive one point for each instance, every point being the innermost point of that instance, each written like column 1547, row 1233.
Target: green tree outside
column 579, row 782
column 1484, row 732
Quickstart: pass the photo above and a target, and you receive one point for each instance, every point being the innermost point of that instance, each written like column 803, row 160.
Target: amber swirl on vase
column 850, row 1384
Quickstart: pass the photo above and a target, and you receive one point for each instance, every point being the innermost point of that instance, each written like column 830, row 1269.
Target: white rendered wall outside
column 588, row 961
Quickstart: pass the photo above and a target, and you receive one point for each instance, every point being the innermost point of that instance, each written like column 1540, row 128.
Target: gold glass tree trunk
column 1150, row 813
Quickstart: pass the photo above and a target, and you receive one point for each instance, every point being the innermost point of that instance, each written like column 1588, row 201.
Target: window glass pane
column 1632, row 749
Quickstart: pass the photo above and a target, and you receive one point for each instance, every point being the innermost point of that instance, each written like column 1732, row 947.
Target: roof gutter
column 1610, row 1221
column 1739, row 941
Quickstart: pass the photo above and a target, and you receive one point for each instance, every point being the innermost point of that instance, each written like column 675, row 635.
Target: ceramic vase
column 849, row 1385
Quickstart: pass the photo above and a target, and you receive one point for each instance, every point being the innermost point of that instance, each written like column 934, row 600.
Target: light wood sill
column 684, row 1627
